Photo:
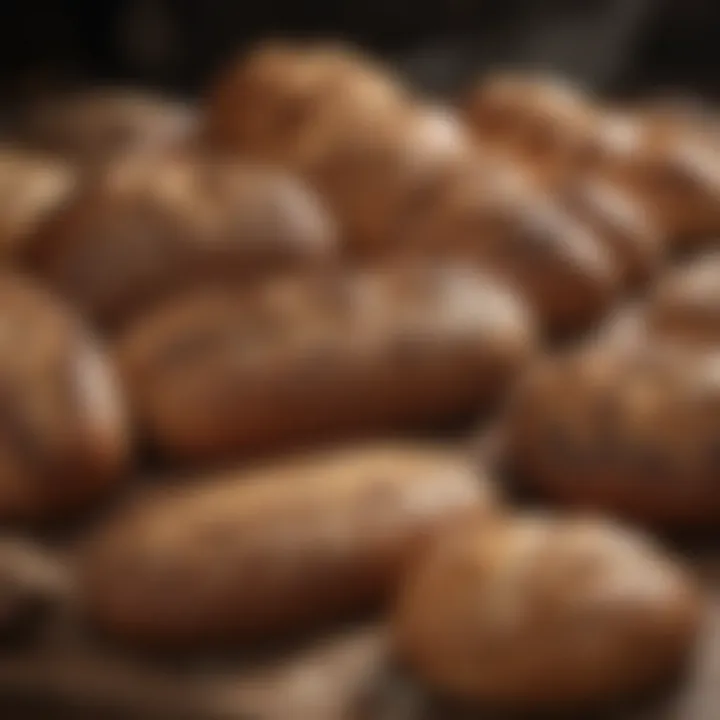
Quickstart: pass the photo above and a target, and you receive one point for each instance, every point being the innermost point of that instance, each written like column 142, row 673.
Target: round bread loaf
column 535, row 614
column 63, row 438
column 279, row 101
column 538, row 120
column 273, row 550
column 630, row 427
column 149, row 226
column 379, row 177
column 306, row 360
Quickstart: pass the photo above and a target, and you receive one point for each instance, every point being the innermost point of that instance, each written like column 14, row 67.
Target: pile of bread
column 226, row 331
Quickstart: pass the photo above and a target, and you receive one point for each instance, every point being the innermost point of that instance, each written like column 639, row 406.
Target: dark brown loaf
column 536, row 614
column 63, row 437
column 148, row 227
column 303, row 360
column 629, row 427
column 273, row 550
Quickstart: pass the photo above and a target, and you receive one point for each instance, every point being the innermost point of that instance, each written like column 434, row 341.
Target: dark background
column 619, row 46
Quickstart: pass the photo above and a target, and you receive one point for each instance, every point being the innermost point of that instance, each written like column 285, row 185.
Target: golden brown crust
column 148, row 227
column 63, row 437
column 305, row 360
column 495, row 217
column 672, row 170
column 621, row 221
column 667, row 163
column 346, row 126
column 32, row 187
column 278, row 102
column 273, row 550
column 533, row 614
column 565, row 170
column 685, row 303
column 628, row 427
column 537, row 120
column 378, row 176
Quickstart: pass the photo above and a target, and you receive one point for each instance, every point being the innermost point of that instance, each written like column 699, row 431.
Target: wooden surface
column 345, row 676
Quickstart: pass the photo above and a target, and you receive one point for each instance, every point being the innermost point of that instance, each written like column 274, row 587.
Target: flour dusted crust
column 534, row 614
